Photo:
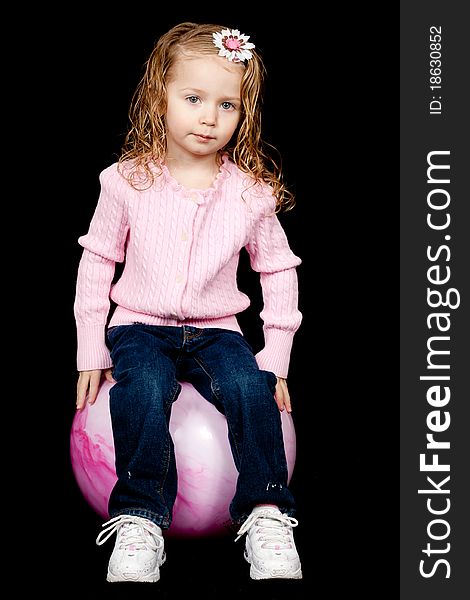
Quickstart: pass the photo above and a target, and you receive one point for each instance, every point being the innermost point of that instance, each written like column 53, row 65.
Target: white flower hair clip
column 233, row 45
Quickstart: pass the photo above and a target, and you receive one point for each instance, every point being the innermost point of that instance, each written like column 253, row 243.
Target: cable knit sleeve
column 271, row 256
column 104, row 245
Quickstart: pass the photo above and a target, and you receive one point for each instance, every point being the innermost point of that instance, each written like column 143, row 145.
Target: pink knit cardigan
column 181, row 251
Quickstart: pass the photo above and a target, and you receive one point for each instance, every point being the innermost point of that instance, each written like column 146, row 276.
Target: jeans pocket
column 110, row 333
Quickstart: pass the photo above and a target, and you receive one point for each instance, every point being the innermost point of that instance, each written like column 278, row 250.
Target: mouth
column 203, row 138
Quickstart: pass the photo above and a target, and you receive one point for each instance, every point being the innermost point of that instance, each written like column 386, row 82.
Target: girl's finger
column 82, row 388
column 94, row 387
column 109, row 375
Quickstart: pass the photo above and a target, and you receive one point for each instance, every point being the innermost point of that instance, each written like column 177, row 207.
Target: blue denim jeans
column 149, row 362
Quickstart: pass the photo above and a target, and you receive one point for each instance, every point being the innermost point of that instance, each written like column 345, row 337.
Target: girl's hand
column 89, row 384
column 281, row 395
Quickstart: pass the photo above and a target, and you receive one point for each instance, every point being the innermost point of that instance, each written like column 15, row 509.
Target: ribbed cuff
column 275, row 356
column 92, row 352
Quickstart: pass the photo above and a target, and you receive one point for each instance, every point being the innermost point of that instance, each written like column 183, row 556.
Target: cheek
column 175, row 118
column 232, row 122
column 236, row 125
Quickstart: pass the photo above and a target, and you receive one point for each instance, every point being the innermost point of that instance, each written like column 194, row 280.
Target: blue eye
column 192, row 99
column 227, row 105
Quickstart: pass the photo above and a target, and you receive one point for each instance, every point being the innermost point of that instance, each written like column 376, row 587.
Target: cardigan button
column 196, row 198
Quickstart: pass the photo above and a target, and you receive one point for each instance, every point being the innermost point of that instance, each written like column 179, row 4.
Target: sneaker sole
column 149, row 578
column 256, row 574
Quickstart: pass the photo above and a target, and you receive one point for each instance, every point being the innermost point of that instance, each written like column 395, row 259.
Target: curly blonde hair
column 145, row 141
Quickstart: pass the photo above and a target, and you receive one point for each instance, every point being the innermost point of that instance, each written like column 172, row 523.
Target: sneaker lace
column 134, row 533
column 274, row 529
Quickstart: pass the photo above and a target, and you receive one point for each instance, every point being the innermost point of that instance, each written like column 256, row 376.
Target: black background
column 330, row 110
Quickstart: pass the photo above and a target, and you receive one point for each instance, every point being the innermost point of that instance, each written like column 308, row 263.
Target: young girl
column 193, row 186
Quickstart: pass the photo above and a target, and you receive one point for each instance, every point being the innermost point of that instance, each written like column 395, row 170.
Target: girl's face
column 203, row 105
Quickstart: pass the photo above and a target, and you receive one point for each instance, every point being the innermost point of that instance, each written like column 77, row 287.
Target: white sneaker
column 138, row 552
column 269, row 544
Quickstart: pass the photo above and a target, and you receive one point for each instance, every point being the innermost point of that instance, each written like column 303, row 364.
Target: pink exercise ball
column 206, row 471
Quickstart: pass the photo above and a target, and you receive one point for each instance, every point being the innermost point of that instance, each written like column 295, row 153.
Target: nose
column 209, row 115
